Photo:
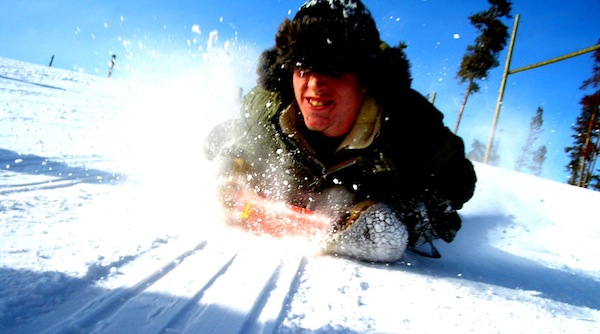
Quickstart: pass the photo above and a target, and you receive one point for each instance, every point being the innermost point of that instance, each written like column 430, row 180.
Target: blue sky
column 158, row 36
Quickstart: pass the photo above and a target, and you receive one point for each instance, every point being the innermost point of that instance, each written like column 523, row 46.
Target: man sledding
column 334, row 130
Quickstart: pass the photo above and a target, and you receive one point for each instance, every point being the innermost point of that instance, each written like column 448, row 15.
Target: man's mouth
column 318, row 102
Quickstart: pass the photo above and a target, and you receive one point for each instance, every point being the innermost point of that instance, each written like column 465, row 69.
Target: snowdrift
column 108, row 225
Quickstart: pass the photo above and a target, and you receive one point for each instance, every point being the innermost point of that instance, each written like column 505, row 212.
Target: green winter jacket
column 392, row 153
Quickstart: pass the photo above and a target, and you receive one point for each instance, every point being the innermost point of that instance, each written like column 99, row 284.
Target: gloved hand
column 444, row 219
column 221, row 137
column 371, row 231
column 428, row 218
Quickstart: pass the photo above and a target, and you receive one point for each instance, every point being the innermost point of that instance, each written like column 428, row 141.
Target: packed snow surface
column 108, row 224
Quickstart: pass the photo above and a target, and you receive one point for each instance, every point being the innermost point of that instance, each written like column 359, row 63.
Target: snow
column 108, row 224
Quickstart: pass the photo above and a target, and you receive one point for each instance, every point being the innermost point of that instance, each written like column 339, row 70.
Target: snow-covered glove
column 233, row 179
column 371, row 232
column 222, row 137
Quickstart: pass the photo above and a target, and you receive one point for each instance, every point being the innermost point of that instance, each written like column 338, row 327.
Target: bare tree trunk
column 582, row 166
column 586, row 151
column 462, row 107
column 572, row 180
column 592, row 164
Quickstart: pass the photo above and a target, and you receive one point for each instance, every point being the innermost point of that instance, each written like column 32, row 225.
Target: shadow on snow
column 471, row 257
column 31, row 83
column 53, row 302
column 61, row 173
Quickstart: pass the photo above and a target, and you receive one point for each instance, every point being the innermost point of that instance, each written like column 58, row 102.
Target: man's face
column 329, row 104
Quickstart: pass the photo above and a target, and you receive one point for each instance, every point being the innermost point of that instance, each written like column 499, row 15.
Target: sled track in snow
column 47, row 184
column 210, row 292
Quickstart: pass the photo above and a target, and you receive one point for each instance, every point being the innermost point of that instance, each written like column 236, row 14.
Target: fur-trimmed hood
column 334, row 37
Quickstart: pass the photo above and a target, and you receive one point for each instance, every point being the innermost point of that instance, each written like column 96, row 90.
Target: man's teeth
column 316, row 103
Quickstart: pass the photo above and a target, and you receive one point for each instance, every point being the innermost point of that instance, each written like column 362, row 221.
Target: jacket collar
column 362, row 134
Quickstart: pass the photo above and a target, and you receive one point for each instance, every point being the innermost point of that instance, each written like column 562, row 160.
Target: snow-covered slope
column 108, row 225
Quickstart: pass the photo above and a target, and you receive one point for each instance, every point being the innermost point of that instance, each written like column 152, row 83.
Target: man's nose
column 317, row 81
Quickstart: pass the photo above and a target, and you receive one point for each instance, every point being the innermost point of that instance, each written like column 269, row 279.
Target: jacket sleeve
column 442, row 165
column 452, row 174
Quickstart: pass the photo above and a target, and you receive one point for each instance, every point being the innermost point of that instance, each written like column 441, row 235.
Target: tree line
column 583, row 154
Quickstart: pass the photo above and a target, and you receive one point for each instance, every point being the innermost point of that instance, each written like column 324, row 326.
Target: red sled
column 261, row 215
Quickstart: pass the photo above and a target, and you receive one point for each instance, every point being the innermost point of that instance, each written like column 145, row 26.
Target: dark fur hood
column 334, row 46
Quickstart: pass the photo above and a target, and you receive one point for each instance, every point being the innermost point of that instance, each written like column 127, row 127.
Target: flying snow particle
column 213, row 36
column 196, row 29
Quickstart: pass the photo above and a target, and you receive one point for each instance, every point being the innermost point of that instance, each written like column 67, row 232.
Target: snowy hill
column 108, row 225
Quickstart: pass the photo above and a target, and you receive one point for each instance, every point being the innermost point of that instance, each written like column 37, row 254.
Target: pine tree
column 584, row 152
column 494, row 158
column 537, row 160
column 477, row 151
column 483, row 56
column 529, row 158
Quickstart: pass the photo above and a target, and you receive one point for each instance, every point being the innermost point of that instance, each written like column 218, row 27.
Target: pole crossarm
column 557, row 59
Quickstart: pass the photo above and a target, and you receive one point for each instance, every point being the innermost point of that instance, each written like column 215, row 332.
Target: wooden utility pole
column 488, row 149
